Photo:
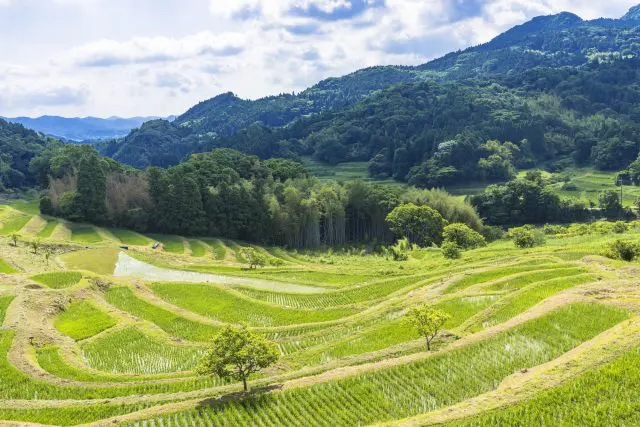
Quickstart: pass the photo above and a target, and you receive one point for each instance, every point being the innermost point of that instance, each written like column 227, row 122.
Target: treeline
column 228, row 194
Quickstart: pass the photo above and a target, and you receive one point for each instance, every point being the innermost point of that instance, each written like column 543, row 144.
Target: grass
column 171, row 244
column 220, row 304
column 607, row 396
column 84, row 234
column 83, row 320
column 6, row 268
column 48, row 230
column 128, row 237
column 217, row 247
column 124, row 299
column 5, row 301
column 101, row 261
column 198, row 249
column 417, row 387
column 130, row 351
column 14, row 224
column 58, row 280
column 31, row 207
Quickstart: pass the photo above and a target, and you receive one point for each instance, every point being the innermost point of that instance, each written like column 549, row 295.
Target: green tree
column 428, row 321
column 253, row 257
column 463, row 237
column 526, row 236
column 91, row 195
column 35, row 245
column 14, row 239
column 623, row 250
column 451, row 250
column 238, row 353
column 420, row 224
column 610, row 204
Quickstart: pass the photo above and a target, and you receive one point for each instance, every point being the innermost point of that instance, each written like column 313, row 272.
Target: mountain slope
column 557, row 42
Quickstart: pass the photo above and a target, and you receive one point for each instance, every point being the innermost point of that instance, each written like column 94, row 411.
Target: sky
column 125, row 58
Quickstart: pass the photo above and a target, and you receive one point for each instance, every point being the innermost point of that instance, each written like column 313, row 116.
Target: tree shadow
column 238, row 396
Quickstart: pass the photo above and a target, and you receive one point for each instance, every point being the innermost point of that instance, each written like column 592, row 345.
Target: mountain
column 18, row 146
column 81, row 129
column 583, row 72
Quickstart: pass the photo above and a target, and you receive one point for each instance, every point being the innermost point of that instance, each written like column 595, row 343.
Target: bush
column 623, row 250
column 491, row 233
column 526, row 236
column 463, row 237
column 451, row 251
column 620, row 227
column 552, row 230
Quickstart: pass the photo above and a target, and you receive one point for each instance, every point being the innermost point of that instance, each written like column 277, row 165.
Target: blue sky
column 159, row 57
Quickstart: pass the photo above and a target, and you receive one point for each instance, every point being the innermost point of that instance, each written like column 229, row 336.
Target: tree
column 526, row 236
column 420, row 224
column 428, row 321
column 253, row 257
column 451, row 250
column 623, row 250
column 35, row 245
column 237, row 353
column 91, row 199
column 463, row 237
column 610, row 204
column 14, row 239
column 47, row 256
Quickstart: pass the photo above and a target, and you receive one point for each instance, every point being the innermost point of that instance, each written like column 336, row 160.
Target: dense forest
column 554, row 88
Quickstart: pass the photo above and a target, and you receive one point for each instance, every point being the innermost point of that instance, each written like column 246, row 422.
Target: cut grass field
column 85, row 234
column 83, row 320
column 58, row 280
column 14, row 223
column 128, row 237
column 6, row 268
column 198, row 249
column 171, row 244
column 48, row 229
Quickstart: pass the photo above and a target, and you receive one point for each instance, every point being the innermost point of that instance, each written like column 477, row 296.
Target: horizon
column 182, row 54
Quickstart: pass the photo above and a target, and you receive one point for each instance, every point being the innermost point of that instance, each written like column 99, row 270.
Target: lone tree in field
column 427, row 321
column 14, row 239
column 237, row 353
column 253, row 257
column 420, row 224
column 35, row 245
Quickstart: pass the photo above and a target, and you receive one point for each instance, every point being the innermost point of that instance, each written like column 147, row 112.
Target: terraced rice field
column 82, row 344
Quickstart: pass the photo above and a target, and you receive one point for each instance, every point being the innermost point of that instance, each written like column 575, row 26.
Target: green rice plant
column 130, row 351
column 198, row 249
column 17, row 385
column 519, row 302
column 48, row 229
column 369, row 292
column 101, row 261
column 84, row 234
column 607, row 396
column 171, row 244
column 500, row 272
column 171, row 323
column 217, row 247
column 6, row 268
column 58, row 280
column 82, row 320
column 222, row 304
column 69, row 415
column 31, row 207
column 129, row 237
column 14, row 224
column 413, row 388
column 540, row 276
column 392, row 331
column 5, row 301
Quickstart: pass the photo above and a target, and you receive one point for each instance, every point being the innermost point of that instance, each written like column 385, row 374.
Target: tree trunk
column 244, row 383
column 428, row 344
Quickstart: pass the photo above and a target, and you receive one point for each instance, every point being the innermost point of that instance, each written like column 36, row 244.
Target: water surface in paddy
column 128, row 266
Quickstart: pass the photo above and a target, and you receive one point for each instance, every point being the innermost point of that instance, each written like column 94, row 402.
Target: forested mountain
column 81, row 128
column 553, row 87
column 18, row 146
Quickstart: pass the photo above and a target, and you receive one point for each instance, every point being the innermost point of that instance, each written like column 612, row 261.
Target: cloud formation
column 163, row 57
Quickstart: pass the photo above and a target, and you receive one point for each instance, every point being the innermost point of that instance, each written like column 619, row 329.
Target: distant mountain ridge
column 79, row 129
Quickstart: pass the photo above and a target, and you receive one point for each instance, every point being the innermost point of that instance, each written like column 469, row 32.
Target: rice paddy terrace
column 94, row 334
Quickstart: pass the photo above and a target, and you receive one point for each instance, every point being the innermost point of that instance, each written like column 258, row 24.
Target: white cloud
column 163, row 57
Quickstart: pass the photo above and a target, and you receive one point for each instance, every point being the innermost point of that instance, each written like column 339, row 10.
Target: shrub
column 451, row 251
column 623, row 250
column 620, row 227
column 491, row 233
column 526, row 236
column 552, row 230
column 463, row 237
